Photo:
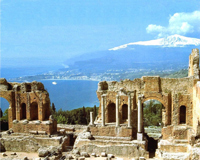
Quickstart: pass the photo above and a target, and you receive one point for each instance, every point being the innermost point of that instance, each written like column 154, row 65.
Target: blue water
column 71, row 94
column 68, row 94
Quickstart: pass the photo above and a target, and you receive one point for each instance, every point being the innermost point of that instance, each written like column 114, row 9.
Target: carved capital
column 140, row 96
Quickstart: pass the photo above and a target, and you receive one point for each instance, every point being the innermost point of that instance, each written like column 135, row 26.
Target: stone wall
column 112, row 131
column 196, row 112
column 172, row 93
column 45, row 126
column 24, row 143
column 193, row 69
column 117, row 148
column 27, row 101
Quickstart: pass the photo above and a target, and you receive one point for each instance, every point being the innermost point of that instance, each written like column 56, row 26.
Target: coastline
column 71, row 80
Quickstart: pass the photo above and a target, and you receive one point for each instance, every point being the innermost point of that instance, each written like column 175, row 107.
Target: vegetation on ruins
column 152, row 113
column 75, row 116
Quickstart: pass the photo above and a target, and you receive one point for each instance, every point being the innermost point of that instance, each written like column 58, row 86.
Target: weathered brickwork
column 46, row 126
column 111, row 131
column 27, row 101
column 121, row 104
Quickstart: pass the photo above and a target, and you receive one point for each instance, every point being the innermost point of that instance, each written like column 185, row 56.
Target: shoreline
column 54, row 80
column 71, row 80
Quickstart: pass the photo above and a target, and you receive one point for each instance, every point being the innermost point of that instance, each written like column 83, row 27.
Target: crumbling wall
column 112, row 131
column 24, row 143
column 193, row 69
column 171, row 92
column 47, row 127
column 31, row 97
column 196, row 110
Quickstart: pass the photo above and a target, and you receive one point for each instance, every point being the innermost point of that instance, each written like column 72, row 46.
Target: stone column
column 129, row 111
column 17, row 104
column 91, row 118
column 117, row 111
column 103, row 110
column 28, row 115
column 140, row 120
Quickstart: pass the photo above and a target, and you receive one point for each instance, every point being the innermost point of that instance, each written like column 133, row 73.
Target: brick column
column 117, row 111
column 140, row 120
column 28, row 115
column 17, row 104
column 103, row 109
column 129, row 111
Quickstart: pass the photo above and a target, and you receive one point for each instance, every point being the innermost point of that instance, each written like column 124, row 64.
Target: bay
column 72, row 94
column 68, row 94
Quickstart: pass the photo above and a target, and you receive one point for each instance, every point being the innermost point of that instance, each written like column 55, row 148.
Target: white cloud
column 154, row 28
column 180, row 23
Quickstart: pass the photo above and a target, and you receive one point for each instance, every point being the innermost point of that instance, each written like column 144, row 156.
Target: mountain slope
column 170, row 41
column 147, row 56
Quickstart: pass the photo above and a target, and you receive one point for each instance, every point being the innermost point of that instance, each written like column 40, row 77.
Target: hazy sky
column 53, row 30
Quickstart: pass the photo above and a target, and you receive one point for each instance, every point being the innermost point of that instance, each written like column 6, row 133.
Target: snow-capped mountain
column 170, row 41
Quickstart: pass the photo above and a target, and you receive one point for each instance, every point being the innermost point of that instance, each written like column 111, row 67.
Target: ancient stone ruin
column 118, row 128
column 120, row 118
column 29, row 107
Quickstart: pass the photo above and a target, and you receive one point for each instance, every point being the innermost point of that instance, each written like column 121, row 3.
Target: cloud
column 180, row 23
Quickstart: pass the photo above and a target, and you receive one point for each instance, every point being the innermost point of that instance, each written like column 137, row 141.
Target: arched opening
column 124, row 111
column 111, row 112
column 182, row 115
column 34, row 111
column 4, row 105
column 23, row 111
column 152, row 120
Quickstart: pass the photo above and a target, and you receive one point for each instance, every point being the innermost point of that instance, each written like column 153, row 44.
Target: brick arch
column 155, row 98
column 159, row 96
column 111, row 112
column 163, row 99
column 8, row 95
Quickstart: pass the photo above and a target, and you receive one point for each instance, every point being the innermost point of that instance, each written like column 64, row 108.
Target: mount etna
column 155, row 57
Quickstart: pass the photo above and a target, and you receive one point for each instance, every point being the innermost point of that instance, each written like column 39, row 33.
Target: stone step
column 112, row 138
column 179, row 141
column 175, row 156
column 176, row 148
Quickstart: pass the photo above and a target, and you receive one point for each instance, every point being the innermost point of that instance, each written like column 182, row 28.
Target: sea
column 65, row 94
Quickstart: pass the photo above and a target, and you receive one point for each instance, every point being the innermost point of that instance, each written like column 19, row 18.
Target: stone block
column 4, row 154
column 110, row 156
column 43, row 152
column 85, row 154
column 93, row 154
column 103, row 154
column 33, row 132
column 140, row 136
column 76, row 152
column 42, row 132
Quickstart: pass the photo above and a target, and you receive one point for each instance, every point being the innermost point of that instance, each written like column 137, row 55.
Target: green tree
column 53, row 107
column 1, row 113
column 95, row 111
column 84, row 113
column 5, row 116
column 152, row 113
column 87, row 116
column 61, row 119
column 81, row 118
